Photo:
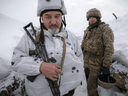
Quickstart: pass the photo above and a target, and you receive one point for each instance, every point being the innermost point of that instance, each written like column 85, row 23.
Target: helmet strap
column 64, row 21
column 42, row 32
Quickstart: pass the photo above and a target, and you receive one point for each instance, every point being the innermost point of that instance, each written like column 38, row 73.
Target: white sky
column 25, row 10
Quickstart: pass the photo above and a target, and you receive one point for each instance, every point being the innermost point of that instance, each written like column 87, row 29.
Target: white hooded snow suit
column 73, row 67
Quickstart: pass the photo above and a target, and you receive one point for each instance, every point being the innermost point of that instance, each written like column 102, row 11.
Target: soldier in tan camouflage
column 97, row 46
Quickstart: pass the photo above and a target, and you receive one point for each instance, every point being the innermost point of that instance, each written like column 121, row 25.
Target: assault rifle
column 41, row 52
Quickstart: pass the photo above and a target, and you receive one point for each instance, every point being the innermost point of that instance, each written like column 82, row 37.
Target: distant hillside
column 120, row 29
column 10, row 34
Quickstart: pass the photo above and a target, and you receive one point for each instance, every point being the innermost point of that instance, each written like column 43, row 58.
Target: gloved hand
column 105, row 70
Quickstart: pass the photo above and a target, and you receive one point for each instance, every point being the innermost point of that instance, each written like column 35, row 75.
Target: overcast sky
column 25, row 10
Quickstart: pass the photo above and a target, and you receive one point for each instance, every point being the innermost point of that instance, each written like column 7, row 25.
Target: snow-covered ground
column 11, row 31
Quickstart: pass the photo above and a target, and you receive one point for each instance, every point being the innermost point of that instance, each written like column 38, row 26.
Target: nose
column 53, row 21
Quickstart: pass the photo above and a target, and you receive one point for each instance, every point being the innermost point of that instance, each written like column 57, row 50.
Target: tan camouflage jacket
column 99, row 42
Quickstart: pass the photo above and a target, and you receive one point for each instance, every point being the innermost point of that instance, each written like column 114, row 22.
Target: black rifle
column 41, row 52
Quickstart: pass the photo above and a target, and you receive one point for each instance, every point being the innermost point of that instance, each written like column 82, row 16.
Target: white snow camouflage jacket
column 73, row 67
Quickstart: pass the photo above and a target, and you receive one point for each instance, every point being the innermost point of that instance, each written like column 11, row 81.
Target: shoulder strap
column 37, row 38
column 64, row 51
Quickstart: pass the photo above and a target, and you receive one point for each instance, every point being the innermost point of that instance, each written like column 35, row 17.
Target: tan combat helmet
column 93, row 13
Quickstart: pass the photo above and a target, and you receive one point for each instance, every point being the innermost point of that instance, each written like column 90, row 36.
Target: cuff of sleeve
column 37, row 67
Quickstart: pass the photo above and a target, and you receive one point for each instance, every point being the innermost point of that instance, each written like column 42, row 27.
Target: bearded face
column 52, row 20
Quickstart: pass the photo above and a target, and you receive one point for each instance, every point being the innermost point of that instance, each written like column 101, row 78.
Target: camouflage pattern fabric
column 91, row 77
column 93, row 13
column 97, row 46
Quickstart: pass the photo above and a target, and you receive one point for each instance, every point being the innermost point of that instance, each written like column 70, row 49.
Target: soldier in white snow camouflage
column 55, row 33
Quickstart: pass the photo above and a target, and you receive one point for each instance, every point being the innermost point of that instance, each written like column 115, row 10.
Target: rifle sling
column 63, row 56
column 64, row 51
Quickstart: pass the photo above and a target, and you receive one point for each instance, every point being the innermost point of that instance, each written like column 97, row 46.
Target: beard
column 53, row 30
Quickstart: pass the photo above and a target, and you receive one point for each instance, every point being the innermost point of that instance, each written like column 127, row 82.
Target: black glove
column 105, row 70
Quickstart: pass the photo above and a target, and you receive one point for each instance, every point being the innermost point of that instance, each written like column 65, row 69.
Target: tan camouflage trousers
column 92, row 81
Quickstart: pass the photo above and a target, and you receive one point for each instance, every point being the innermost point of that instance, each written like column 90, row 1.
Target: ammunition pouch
column 32, row 78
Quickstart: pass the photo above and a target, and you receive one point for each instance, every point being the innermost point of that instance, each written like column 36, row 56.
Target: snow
column 12, row 31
